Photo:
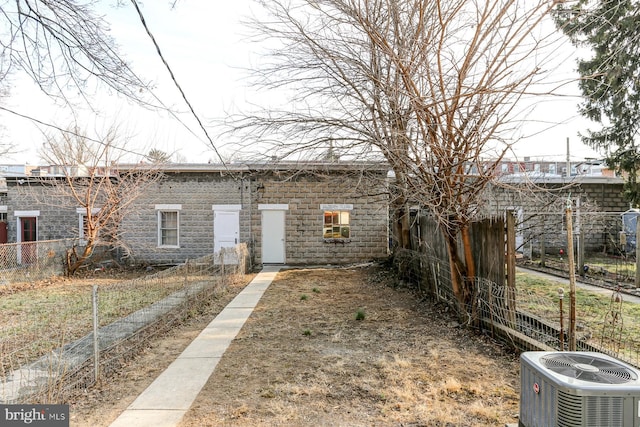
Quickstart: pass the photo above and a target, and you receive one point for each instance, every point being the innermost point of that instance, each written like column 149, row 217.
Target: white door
column 226, row 232
column 273, row 249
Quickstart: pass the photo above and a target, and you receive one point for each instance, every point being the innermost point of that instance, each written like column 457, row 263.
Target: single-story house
column 539, row 201
column 287, row 213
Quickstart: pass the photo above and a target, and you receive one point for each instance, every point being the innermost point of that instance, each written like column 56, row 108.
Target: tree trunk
column 471, row 296
column 459, row 284
column 401, row 219
column 468, row 254
column 75, row 260
column 405, row 232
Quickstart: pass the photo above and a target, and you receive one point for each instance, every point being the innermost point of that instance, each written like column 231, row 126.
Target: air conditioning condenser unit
column 578, row 389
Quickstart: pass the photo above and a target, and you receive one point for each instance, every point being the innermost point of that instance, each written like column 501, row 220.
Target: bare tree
column 62, row 46
column 65, row 48
column 430, row 86
column 90, row 175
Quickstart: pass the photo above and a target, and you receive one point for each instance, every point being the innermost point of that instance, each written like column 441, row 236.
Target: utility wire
column 65, row 131
column 175, row 82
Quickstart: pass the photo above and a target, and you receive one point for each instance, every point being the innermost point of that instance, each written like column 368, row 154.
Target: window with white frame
column 168, row 225
column 337, row 221
column 82, row 223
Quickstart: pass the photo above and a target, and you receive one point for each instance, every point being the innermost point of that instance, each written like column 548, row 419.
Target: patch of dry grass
column 99, row 406
column 404, row 364
column 39, row 317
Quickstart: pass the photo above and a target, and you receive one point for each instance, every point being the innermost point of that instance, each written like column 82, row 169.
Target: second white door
column 273, row 233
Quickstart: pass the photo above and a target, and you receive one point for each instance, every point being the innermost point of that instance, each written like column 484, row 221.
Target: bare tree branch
column 91, row 178
column 62, row 46
column 433, row 86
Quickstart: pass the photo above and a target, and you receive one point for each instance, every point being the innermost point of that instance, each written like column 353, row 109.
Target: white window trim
column 274, row 207
column 82, row 212
column 167, row 208
column 226, row 208
column 336, row 207
column 19, row 214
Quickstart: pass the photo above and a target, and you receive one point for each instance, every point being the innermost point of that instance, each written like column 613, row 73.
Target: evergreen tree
column 610, row 78
column 158, row 156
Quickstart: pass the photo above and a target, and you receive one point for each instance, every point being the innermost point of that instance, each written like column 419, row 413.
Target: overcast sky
column 203, row 42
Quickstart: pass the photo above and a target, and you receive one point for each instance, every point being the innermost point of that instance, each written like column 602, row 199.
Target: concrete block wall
column 304, row 195
column 196, row 193
column 610, row 197
column 601, row 230
column 543, row 212
column 57, row 218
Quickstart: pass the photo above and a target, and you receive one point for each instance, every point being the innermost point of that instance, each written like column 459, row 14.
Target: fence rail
column 48, row 348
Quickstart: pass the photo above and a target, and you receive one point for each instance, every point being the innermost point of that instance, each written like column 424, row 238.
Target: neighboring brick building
column 307, row 213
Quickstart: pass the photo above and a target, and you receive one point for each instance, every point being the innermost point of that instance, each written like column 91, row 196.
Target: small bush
column 306, row 332
column 316, row 290
column 304, row 297
column 360, row 314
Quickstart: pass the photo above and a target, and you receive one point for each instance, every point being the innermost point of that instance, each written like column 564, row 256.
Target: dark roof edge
column 251, row 167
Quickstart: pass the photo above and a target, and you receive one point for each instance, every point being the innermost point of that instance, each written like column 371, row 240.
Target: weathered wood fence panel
column 517, row 316
column 427, row 262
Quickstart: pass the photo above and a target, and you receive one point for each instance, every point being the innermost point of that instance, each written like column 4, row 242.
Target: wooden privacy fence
column 426, row 263
column 525, row 318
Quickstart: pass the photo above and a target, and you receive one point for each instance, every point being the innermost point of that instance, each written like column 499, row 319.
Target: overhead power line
column 175, row 82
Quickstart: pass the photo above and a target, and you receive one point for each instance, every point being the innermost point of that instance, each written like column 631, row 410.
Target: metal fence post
column 222, row 255
column 561, row 337
column 510, row 294
column 637, row 276
column 572, row 277
column 96, row 341
column 186, row 273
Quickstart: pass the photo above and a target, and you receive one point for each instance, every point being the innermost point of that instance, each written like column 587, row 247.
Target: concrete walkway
column 591, row 288
column 169, row 397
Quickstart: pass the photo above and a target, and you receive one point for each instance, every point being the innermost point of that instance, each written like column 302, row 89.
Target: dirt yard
column 303, row 359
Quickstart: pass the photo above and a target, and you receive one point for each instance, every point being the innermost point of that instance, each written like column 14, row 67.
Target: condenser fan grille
column 588, row 368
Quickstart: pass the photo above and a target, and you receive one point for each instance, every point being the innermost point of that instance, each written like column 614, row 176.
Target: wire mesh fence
column 28, row 261
column 535, row 314
column 56, row 341
column 604, row 243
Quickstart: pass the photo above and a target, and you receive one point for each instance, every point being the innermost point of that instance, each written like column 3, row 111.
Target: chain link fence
column 58, row 340
column 29, row 261
column 606, row 322
column 604, row 245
